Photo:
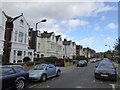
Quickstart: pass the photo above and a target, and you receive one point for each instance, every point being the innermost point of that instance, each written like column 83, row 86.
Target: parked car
column 13, row 76
column 103, row 61
column 75, row 61
column 93, row 60
column 60, row 63
column 43, row 71
column 105, row 70
column 82, row 63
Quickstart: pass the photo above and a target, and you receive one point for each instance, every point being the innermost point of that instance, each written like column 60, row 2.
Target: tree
column 26, row 59
column 117, row 46
column 117, row 49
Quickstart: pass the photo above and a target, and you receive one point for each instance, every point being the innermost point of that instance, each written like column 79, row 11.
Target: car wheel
column 20, row 84
column 58, row 73
column 43, row 78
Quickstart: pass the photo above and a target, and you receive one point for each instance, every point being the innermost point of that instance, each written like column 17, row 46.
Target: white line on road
column 48, row 86
column 113, row 86
column 33, row 86
column 78, row 87
column 95, row 81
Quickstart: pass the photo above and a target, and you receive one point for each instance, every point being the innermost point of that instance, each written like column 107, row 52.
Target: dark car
column 105, row 71
column 75, row 61
column 13, row 76
column 103, row 61
column 82, row 63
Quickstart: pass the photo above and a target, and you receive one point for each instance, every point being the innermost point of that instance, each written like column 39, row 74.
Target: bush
column 51, row 59
column 26, row 59
column 29, row 63
column 81, row 58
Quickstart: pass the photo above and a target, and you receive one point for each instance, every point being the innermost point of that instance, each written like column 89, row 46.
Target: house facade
column 79, row 50
column 59, row 47
column 73, row 51
column 68, row 53
column 16, row 40
column 88, row 53
column 46, row 45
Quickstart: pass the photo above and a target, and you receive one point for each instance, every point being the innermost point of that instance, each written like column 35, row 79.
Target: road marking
column 67, row 70
column 78, row 87
column 32, row 86
column 48, row 86
column 113, row 86
column 94, row 81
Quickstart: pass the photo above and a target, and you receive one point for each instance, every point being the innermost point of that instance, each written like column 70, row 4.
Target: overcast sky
column 91, row 24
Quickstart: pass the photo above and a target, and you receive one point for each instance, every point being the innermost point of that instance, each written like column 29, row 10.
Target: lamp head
column 44, row 20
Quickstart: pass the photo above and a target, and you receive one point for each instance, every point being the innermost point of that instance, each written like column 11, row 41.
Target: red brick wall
column 7, row 43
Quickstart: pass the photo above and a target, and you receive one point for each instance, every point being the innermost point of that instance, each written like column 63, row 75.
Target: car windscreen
column 105, row 65
column 39, row 67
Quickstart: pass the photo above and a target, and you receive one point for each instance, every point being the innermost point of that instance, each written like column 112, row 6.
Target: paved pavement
column 76, row 77
column 66, row 68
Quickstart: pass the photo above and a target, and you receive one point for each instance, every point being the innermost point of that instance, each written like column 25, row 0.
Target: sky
column 90, row 24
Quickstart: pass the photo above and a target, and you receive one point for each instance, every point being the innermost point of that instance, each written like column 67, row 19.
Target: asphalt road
column 76, row 77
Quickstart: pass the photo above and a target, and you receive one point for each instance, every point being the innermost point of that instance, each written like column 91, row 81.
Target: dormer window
column 21, row 21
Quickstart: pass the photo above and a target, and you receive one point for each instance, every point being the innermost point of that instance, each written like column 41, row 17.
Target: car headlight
column 113, row 73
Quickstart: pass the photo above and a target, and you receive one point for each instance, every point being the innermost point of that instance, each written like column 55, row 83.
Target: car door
column 8, row 78
column 51, row 70
column 21, row 72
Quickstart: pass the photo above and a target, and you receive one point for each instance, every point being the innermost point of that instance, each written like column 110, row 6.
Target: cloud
column 72, row 23
column 104, row 8
column 60, row 1
column 56, row 10
column 87, row 41
column 61, row 17
column 103, row 17
column 108, row 40
column 112, row 26
column 97, row 28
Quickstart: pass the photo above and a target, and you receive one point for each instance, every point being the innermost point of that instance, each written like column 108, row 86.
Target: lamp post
column 44, row 20
column 109, row 49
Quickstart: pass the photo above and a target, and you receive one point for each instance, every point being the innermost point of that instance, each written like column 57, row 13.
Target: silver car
column 82, row 63
column 43, row 72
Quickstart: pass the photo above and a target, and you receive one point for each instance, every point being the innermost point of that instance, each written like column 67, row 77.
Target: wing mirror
column 47, row 68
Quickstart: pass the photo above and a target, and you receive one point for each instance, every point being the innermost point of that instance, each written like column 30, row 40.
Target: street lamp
column 109, row 47
column 44, row 20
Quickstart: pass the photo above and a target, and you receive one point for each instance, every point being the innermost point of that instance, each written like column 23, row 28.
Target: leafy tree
column 117, row 49
column 117, row 46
